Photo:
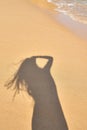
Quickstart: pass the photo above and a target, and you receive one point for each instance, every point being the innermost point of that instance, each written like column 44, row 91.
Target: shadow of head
column 29, row 72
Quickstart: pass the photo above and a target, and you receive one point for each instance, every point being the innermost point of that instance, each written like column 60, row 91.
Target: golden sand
column 26, row 30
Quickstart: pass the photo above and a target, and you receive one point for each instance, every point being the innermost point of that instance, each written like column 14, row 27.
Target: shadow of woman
column 48, row 114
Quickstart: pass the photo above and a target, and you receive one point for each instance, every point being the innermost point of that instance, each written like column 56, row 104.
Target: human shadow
column 48, row 114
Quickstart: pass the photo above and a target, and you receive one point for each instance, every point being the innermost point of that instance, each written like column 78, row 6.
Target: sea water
column 76, row 9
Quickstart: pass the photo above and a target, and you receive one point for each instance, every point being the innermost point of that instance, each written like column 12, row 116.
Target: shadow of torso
column 47, row 114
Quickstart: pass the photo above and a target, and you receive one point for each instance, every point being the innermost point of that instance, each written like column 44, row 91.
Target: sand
column 28, row 29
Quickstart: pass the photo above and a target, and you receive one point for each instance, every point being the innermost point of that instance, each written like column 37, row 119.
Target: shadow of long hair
column 39, row 83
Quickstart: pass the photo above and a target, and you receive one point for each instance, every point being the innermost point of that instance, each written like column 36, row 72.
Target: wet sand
column 25, row 30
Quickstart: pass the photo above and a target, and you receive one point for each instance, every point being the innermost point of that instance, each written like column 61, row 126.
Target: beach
column 27, row 28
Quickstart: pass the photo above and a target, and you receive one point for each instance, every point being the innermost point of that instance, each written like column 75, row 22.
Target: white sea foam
column 76, row 9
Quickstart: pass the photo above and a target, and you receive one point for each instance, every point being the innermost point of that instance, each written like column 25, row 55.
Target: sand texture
column 26, row 30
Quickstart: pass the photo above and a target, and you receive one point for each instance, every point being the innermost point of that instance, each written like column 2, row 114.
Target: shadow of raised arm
column 49, row 63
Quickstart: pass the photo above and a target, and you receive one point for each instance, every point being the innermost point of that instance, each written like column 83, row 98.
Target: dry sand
column 26, row 30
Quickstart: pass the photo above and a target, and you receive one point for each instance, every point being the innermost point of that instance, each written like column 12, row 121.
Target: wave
column 76, row 9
